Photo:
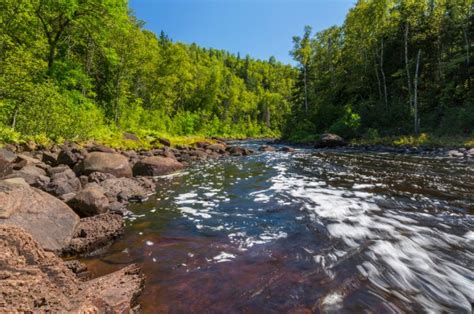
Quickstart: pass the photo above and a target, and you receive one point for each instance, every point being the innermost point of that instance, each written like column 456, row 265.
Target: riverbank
column 70, row 200
column 426, row 141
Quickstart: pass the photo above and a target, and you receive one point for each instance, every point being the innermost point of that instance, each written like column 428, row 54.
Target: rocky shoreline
column 69, row 200
column 333, row 141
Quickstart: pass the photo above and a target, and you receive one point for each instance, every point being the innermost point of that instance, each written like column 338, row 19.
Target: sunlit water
column 310, row 231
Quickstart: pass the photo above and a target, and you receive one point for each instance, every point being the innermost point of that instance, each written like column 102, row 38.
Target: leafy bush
column 420, row 140
column 8, row 135
column 348, row 125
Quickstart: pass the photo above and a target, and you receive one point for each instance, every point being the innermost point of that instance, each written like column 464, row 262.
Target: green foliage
column 8, row 135
column 391, row 62
column 348, row 125
column 87, row 70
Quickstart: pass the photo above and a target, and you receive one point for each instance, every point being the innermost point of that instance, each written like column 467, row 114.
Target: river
column 308, row 231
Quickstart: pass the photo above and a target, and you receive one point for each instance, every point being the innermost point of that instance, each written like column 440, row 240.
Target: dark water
column 305, row 232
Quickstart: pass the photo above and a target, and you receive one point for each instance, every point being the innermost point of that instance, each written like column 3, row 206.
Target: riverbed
column 306, row 231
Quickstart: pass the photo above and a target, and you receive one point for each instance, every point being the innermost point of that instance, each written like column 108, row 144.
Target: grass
column 112, row 138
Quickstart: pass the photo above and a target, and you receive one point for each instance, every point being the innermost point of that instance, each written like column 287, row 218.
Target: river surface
column 302, row 232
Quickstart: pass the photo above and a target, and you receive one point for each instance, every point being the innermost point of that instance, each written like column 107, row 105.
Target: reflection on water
column 306, row 232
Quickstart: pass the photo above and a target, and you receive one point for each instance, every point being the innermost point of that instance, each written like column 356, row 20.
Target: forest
column 395, row 67
column 88, row 69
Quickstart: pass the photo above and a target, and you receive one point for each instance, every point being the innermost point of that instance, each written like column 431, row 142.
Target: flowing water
column 309, row 231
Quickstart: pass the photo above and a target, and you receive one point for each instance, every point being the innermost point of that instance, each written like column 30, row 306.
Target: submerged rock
column 50, row 221
column 111, row 163
column 155, row 166
column 34, row 280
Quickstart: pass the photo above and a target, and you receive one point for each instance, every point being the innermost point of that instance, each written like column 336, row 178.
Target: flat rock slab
column 50, row 221
column 95, row 232
column 36, row 281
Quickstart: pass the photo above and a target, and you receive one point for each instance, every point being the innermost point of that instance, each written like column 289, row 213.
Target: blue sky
column 260, row 28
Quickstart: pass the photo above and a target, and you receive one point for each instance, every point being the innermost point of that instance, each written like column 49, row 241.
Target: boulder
column 218, row 148
column 266, row 148
column 163, row 141
column 67, row 157
column 95, row 232
column 90, row 201
column 167, row 152
column 130, row 154
column 7, row 154
column 101, row 148
column 198, row 154
column 202, row 144
column 155, row 166
column 50, row 159
column 23, row 160
column 329, row 140
column 99, row 177
column 50, row 221
column 239, row 151
column 35, row 281
column 287, row 149
column 63, row 181
column 125, row 189
column 29, row 146
column 114, row 164
column 236, row 151
column 33, row 175
column 5, row 167
column 455, row 153
column 470, row 153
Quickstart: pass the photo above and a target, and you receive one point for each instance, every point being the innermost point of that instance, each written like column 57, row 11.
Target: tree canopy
column 394, row 67
column 73, row 69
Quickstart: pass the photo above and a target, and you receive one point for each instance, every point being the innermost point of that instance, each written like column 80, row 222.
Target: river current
column 308, row 231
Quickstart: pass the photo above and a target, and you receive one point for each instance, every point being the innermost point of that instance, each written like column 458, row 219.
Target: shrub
column 348, row 125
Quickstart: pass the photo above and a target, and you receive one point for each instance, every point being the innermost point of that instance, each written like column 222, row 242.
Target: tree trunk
column 267, row 117
column 378, row 80
column 415, row 98
column 384, row 80
column 468, row 57
column 407, row 68
column 305, row 88
column 15, row 115
column 51, row 55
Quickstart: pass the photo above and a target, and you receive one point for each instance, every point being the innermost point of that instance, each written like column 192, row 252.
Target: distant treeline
column 81, row 69
column 85, row 68
column 394, row 67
